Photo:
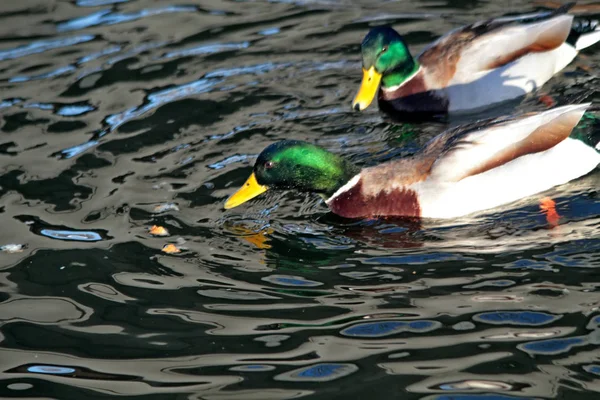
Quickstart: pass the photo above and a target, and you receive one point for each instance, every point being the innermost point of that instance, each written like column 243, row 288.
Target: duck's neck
column 345, row 171
column 400, row 74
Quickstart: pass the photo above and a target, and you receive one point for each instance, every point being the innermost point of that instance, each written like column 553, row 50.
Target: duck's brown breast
column 355, row 203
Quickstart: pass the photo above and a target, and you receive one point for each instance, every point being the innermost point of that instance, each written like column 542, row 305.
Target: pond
column 118, row 116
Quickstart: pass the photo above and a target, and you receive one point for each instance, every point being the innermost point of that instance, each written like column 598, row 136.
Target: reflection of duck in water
column 461, row 171
column 470, row 67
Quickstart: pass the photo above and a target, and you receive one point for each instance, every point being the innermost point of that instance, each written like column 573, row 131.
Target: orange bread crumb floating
column 157, row 230
column 170, row 249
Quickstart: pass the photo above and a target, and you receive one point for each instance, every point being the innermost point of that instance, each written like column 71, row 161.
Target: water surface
column 118, row 115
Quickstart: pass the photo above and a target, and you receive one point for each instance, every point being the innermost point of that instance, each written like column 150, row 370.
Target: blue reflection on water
column 289, row 280
column 74, row 110
column 228, row 160
column 159, row 98
column 253, row 69
column 593, row 369
column 269, row 31
column 9, row 103
column 415, row 259
column 41, row 46
column 154, row 100
column 319, row 372
column 385, row 328
column 529, row 318
column 81, row 236
column 553, row 346
column 80, row 148
column 107, row 17
column 207, row 49
column 50, row 369
column 96, row 3
column 57, row 72
column 98, row 54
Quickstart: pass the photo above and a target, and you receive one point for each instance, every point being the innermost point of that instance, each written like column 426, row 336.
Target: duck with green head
column 461, row 171
column 471, row 67
column 293, row 164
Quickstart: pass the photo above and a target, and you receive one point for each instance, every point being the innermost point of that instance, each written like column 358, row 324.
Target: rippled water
column 120, row 115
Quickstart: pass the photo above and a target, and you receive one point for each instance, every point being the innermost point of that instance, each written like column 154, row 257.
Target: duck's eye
column 269, row 165
column 385, row 48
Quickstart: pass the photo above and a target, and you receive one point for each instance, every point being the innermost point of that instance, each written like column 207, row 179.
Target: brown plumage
column 484, row 63
column 358, row 202
column 393, row 188
column 541, row 139
column 547, row 41
column 441, row 58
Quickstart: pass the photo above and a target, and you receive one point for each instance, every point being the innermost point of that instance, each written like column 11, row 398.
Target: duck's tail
column 584, row 33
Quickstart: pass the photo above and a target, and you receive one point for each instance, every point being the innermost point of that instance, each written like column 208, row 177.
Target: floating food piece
column 170, row 249
column 12, row 248
column 157, row 230
column 166, row 207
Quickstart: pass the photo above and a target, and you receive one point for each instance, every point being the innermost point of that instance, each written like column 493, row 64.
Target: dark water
column 119, row 115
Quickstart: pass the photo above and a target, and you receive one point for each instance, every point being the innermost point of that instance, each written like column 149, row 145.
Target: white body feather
column 520, row 178
column 510, row 81
column 471, row 86
column 447, row 193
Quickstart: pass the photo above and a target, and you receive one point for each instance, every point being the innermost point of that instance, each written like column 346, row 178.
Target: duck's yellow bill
column 368, row 89
column 249, row 190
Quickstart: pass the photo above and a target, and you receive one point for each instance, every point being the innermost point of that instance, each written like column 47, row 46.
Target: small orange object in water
column 548, row 206
column 259, row 239
column 157, row 230
column 547, row 100
column 170, row 249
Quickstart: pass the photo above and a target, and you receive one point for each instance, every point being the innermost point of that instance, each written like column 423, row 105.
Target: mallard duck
column 471, row 67
column 459, row 172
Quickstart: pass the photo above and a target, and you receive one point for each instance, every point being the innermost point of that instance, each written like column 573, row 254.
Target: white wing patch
column 476, row 149
column 513, row 41
column 523, row 177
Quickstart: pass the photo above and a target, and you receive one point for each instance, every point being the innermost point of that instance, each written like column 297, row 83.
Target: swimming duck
column 471, row 67
column 459, row 172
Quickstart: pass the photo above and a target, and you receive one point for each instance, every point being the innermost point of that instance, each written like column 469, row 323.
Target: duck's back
column 507, row 161
column 499, row 59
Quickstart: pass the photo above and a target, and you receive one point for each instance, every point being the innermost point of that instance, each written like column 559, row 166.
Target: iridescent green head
column 387, row 60
column 292, row 164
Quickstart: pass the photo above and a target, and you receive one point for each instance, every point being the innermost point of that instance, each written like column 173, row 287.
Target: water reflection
column 107, row 17
column 41, row 46
column 119, row 116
